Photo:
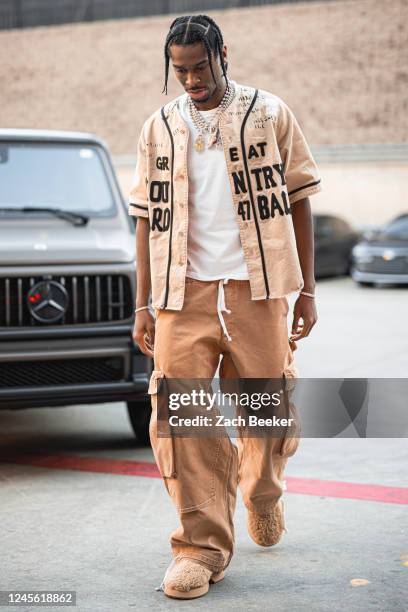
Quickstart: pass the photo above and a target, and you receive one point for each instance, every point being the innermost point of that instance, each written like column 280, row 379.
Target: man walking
column 224, row 234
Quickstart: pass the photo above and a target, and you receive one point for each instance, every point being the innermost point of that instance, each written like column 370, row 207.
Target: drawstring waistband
column 221, row 307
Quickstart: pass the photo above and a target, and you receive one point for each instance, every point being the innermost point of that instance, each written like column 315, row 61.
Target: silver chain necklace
column 211, row 128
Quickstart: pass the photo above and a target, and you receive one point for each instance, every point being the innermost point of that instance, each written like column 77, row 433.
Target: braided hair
column 192, row 29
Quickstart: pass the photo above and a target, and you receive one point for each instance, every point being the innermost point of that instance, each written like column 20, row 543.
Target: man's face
column 192, row 69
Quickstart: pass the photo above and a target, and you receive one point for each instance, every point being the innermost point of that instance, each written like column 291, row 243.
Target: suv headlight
column 361, row 254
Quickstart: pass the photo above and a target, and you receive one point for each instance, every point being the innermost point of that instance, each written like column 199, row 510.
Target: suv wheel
column 139, row 416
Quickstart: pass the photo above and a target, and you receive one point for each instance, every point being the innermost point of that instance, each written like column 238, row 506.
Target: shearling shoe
column 187, row 580
column 267, row 529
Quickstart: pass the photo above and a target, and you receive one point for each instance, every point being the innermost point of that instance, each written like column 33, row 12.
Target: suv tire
column 139, row 413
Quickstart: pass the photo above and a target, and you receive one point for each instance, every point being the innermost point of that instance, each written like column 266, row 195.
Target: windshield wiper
column 74, row 218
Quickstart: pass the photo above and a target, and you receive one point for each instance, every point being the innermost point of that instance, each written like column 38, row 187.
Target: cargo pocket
column 159, row 429
column 187, row 464
column 291, row 439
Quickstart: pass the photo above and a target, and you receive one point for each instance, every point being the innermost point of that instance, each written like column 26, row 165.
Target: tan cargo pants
column 201, row 474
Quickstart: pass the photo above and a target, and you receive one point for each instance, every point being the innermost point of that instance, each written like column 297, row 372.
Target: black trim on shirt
column 251, row 195
column 166, row 295
column 304, row 187
column 138, row 206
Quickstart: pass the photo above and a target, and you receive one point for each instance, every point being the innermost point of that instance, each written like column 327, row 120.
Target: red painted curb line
column 303, row 486
column 348, row 490
column 85, row 464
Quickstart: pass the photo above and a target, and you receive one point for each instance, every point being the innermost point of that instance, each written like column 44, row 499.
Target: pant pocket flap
column 290, row 375
column 291, row 371
column 155, row 382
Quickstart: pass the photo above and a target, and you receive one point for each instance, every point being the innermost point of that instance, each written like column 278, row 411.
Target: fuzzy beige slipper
column 186, row 580
column 267, row 529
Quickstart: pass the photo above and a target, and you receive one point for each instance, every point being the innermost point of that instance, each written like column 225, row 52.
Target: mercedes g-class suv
column 67, row 278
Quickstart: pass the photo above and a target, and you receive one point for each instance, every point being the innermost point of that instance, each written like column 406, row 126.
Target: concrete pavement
column 105, row 535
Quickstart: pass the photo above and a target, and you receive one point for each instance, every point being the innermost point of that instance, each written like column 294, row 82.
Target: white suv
column 67, row 277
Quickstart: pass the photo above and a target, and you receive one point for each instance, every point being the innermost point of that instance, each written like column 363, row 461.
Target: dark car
column 334, row 240
column 382, row 257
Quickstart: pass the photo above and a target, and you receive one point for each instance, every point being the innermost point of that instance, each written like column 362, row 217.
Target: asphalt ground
column 82, row 507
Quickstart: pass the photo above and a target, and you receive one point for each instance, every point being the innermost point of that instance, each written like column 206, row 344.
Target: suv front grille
column 90, row 299
column 61, row 372
column 398, row 265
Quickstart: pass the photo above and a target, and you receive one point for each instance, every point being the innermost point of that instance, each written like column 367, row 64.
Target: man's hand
column 304, row 309
column 143, row 332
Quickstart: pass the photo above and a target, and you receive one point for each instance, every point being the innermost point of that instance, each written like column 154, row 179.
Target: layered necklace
column 211, row 128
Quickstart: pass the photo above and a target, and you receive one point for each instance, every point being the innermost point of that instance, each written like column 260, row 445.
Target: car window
column 61, row 175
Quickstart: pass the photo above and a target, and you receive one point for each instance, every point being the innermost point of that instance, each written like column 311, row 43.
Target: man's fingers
column 144, row 332
column 148, row 340
column 145, row 346
column 150, row 331
column 295, row 324
column 149, row 336
column 304, row 330
column 144, row 342
column 306, row 312
column 297, row 327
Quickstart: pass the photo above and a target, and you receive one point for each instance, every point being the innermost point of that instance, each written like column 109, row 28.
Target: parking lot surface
column 83, row 509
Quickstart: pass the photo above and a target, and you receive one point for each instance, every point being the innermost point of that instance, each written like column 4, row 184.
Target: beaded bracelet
column 311, row 295
column 142, row 308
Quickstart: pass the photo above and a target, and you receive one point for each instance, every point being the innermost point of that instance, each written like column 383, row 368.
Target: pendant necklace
column 211, row 128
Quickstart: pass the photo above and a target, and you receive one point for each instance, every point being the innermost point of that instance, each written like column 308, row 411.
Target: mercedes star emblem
column 47, row 301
